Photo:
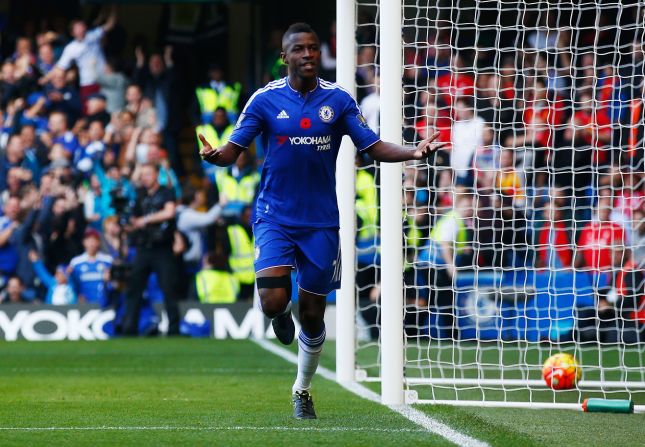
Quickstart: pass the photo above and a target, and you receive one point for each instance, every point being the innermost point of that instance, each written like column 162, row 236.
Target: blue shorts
column 314, row 252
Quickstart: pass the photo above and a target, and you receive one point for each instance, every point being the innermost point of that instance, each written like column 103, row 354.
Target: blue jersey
column 88, row 276
column 301, row 136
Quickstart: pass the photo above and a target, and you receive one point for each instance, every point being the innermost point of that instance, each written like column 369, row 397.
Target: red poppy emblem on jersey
column 281, row 139
column 305, row 123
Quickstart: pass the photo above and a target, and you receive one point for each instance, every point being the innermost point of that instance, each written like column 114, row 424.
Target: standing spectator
column 153, row 223
column 240, row 238
column 89, row 272
column 158, row 82
column 85, row 50
column 193, row 222
column 217, row 93
column 467, row 135
column 113, row 84
column 218, row 130
column 599, row 238
column 449, row 242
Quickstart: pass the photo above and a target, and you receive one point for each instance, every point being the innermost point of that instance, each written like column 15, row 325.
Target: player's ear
column 283, row 56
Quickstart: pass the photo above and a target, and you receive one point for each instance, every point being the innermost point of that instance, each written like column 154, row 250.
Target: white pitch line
column 224, row 428
column 412, row 414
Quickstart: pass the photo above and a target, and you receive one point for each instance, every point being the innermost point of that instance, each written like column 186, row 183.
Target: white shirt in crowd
column 370, row 108
column 88, row 56
column 467, row 136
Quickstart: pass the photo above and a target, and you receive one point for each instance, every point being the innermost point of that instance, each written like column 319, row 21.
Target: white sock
column 308, row 358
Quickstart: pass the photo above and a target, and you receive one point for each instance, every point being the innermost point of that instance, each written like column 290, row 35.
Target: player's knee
column 275, row 293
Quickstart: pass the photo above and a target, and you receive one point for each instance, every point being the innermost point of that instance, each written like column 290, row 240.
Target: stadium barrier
column 88, row 322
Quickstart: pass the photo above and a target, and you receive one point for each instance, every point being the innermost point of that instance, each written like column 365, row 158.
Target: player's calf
column 275, row 294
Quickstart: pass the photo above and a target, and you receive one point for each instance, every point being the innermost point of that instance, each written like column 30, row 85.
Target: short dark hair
column 297, row 28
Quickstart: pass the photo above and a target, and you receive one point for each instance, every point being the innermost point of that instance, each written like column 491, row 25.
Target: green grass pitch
column 207, row 392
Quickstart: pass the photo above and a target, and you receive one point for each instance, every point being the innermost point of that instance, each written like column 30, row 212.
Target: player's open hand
column 427, row 147
column 207, row 152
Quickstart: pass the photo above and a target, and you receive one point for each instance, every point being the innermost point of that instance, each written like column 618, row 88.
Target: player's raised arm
column 222, row 156
column 389, row 152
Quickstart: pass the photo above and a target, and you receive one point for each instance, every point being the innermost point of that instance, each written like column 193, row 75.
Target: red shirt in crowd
column 544, row 116
column 558, row 242
column 452, row 85
column 597, row 241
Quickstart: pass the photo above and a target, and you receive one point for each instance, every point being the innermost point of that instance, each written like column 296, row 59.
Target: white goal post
column 483, row 261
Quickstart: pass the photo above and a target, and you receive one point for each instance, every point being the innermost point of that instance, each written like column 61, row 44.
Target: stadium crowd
column 78, row 140
column 543, row 168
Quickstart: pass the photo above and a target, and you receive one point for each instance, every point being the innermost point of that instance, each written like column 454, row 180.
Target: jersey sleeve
column 356, row 126
column 250, row 123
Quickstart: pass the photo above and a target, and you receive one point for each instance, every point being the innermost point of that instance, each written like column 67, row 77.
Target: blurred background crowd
column 544, row 166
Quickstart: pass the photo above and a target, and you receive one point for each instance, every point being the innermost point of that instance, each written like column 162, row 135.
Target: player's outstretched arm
column 389, row 152
column 222, row 156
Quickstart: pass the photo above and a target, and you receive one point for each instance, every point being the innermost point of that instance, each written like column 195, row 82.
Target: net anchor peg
column 411, row 397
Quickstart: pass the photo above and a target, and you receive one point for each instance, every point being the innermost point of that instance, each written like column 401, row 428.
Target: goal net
column 524, row 235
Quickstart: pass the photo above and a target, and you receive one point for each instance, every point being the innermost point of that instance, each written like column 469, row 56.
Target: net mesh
column 524, row 235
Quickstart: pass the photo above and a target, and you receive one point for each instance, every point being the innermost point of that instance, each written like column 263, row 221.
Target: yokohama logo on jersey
column 297, row 141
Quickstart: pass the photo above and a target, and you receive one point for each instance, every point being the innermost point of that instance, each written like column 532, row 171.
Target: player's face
column 301, row 53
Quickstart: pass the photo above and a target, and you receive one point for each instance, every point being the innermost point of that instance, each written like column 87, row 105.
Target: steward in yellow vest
column 214, row 283
column 366, row 205
column 238, row 184
column 218, row 131
column 242, row 254
column 217, row 93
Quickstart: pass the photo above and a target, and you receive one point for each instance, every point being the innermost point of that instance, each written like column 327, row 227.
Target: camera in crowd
column 121, row 203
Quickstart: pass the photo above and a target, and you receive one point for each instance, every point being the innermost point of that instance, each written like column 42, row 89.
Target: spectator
column 242, row 255
column 638, row 237
column 599, row 238
column 328, row 56
column 46, row 59
column 153, row 227
column 239, row 184
column 89, row 272
column 62, row 97
column 59, row 133
column 113, row 85
column 85, row 50
column 59, row 292
column 144, row 113
column 370, row 106
column 217, row 132
column 192, row 223
column 14, row 292
column 449, row 243
column 467, row 135
column 554, row 243
column 8, row 223
column 215, row 283
column 217, row 93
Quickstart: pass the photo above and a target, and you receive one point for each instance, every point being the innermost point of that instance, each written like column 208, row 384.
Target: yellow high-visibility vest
column 216, row 286
column 210, row 99
column 461, row 244
column 238, row 191
column 242, row 254
column 211, row 135
column 366, row 206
